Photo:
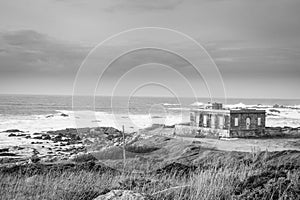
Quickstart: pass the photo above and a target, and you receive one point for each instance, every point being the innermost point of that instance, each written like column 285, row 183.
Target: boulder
column 122, row 195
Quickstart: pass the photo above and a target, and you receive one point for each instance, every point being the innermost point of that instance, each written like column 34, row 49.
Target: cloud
column 36, row 57
column 143, row 5
column 238, row 60
column 127, row 5
column 27, row 51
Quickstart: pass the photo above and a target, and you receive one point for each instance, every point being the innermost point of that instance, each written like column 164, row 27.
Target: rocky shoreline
column 51, row 146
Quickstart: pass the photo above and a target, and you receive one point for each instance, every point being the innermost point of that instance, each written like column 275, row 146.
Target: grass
column 67, row 185
column 231, row 181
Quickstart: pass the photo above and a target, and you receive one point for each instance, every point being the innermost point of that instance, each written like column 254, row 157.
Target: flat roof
column 228, row 110
column 247, row 111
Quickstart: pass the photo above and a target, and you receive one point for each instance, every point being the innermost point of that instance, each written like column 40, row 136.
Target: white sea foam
column 180, row 108
column 197, row 104
column 238, row 105
column 171, row 104
column 174, row 119
column 35, row 123
column 80, row 119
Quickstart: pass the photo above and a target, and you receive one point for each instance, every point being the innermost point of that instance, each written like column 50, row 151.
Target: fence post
column 124, row 155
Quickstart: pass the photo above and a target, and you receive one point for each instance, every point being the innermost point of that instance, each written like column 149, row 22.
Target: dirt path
column 248, row 145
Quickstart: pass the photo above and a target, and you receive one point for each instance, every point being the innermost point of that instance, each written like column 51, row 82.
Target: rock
column 122, row 195
column 20, row 135
column 274, row 110
column 8, row 154
column 64, row 115
column 35, row 159
column 46, row 137
column 4, row 150
column 13, row 131
column 36, row 142
column 278, row 106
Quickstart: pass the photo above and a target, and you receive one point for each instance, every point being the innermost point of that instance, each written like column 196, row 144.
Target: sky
column 254, row 46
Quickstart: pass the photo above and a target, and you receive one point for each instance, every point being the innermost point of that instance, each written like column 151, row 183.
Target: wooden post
column 124, row 155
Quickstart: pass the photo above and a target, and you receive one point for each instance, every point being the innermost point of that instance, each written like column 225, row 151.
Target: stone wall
column 210, row 132
column 186, row 130
column 241, row 129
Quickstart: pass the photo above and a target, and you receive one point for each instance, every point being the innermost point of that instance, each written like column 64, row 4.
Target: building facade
column 213, row 120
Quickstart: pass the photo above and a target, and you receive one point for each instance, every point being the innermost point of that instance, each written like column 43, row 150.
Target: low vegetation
column 257, row 175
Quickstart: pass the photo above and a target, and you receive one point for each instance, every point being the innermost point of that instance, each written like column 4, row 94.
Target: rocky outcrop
column 123, row 195
column 4, row 150
column 13, row 131
column 17, row 134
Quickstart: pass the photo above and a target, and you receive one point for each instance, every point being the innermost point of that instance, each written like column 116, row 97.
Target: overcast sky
column 255, row 43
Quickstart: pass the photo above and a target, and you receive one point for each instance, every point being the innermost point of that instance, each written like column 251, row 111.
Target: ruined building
column 214, row 120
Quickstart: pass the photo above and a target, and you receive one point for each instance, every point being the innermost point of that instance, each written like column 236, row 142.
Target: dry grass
column 213, row 183
column 220, row 175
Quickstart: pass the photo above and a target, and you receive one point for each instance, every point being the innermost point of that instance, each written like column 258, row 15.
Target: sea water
column 36, row 113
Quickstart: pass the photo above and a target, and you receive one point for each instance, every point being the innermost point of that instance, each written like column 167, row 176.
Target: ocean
column 32, row 113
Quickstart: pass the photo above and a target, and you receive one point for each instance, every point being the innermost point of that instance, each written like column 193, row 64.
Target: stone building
column 214, row 120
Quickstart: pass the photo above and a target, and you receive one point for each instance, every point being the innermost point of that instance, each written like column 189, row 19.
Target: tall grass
column 230, row 181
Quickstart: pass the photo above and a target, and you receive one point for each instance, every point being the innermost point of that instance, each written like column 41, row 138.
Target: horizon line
column 203, row 97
